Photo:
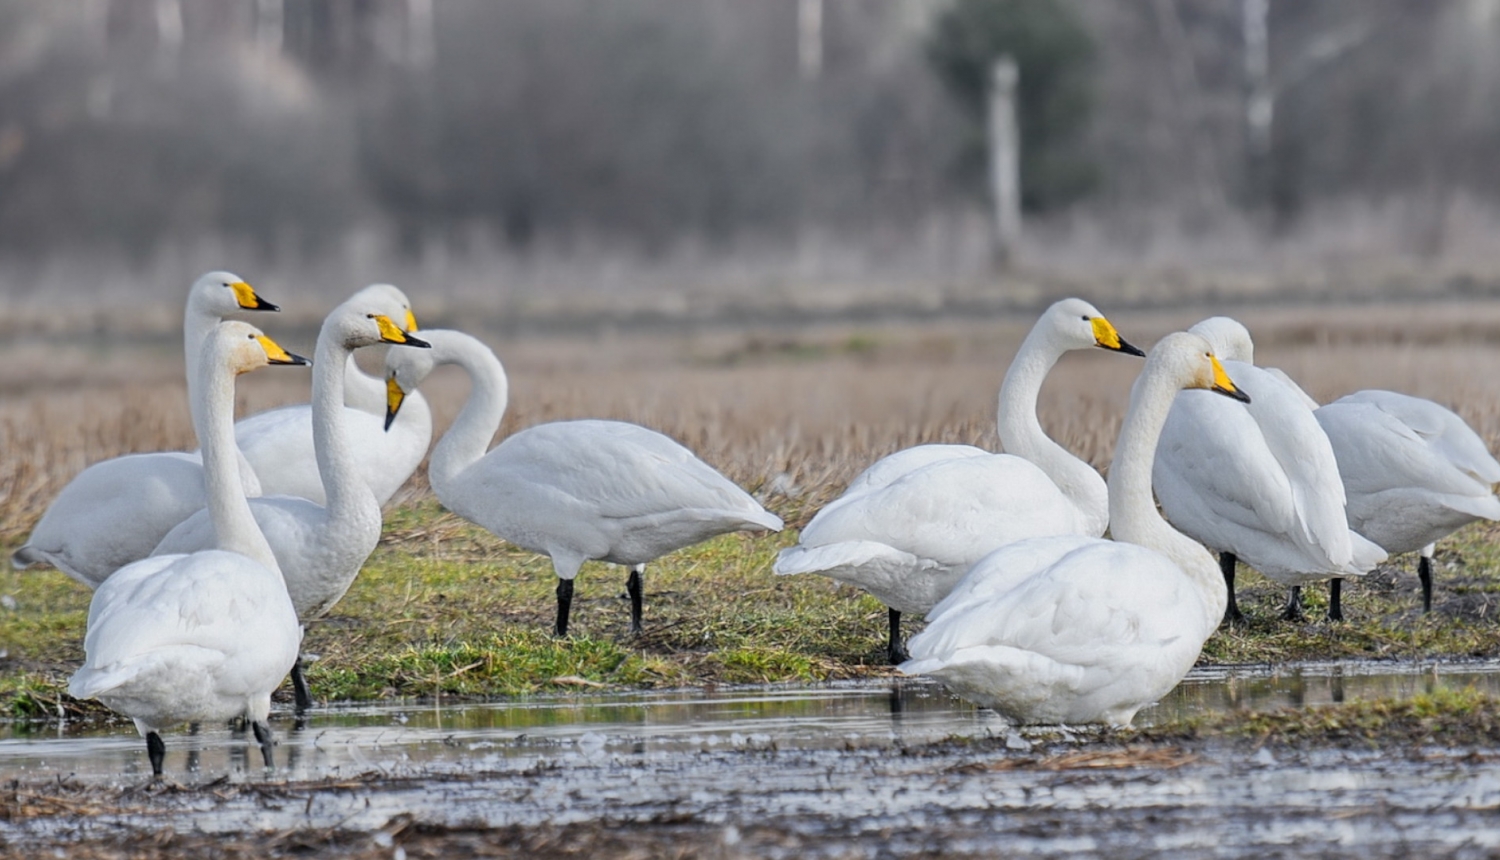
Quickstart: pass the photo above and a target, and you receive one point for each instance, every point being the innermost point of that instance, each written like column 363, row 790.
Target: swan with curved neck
column 1081, row 630
column 909, row 526
column 572, row 490
column 205, row 636
column 319, row 548
column 1258, row 484
column 115, row 511
column 278, row 443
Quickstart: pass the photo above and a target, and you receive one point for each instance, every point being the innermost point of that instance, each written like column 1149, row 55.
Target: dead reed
column 790, row 413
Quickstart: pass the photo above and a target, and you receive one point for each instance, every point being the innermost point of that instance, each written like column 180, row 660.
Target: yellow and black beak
column 1224, row 385
column 392, row 333
column 248, row 300
column 1106, row 337
column 394, row 396
column 277, row 355
column 411, row 321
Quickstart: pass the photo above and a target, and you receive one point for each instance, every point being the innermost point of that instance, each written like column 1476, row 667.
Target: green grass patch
column 444, row 608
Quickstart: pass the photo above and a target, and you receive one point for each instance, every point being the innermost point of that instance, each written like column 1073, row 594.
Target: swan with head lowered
column 278, row 443
column 1257, row 483
column 908, row 527
column 1413, row 470
column 572, row 490
column 209, row 635
column 1081, row 630
column 319, row 548
column 115, row 511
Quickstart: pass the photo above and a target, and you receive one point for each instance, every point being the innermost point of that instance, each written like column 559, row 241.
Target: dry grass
column 792, row 413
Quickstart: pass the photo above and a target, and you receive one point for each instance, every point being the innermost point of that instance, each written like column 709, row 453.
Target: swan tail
column 831, row 558
column 1367, row 554
column 27, row 556
column 1482, row 507
column 89, row 682
column 764, row 519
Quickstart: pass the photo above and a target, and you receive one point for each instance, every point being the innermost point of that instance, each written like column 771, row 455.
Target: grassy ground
column 443, row 608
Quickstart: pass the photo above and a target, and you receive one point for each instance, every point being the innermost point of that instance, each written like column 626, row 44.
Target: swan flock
column 206, row 565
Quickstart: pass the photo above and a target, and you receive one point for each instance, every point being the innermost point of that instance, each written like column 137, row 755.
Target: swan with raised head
column 113, row 512
column 909, row 526
column 210, row 635
column 278, row 443
column 1257, row 483
column 1082, row 630
column 1413, row 470
column 571, row 490
column 320, row 549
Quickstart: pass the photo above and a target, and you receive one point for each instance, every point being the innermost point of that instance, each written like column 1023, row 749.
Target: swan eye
column 1085, row 317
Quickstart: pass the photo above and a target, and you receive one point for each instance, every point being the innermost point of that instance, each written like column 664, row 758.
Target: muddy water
column 822, row 771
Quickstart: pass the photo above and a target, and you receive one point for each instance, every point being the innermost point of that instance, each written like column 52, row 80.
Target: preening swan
column 1080, row 630
column 115, row 511
column 1413, row 470
column 1257, row 482
column 278, row 443
column 206, row 636
column 319, row 549
column 572, row 490
column 908, row 527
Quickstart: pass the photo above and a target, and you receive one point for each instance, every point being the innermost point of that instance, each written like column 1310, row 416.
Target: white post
column 1005, row 159
column 1260, row 101
column 810, row 38
column 421, row 40
column 270, row 24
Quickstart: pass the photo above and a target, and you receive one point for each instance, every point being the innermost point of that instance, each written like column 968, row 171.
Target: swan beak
column 277, row 355
column 245, row 295
column 1224, row 385
column 411, row 320
column 394, row 395
column 1106, row 337
column 391, row 333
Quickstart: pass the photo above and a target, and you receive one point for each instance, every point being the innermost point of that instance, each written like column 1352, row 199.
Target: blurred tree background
column 832, row 138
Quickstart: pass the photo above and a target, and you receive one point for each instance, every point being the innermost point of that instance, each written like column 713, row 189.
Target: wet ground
column 877, row 769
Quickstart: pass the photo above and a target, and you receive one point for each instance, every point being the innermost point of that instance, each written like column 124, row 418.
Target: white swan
column 115, row 511
column 909, row 526
column 572, row 490
column 206, row 636
column 1257, row 483
column 1080, row 630
column 278, row 443
column 1413, row 470
column 319, row 549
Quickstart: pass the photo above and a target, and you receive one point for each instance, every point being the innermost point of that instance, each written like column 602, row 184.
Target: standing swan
column 278, row 443
column 572, row 490
column 115, row 511
column 1257, row 483
column 319, row 549
column 908, row 527
column 1414, row 472
column 205, row 636
column 1075, row 630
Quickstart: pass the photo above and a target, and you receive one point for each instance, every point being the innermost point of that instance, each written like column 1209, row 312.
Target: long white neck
column 349, row 497
column 197, row 325
column 1133, row 516
column 469, row 437
column 213, row 415
column 1021, row 432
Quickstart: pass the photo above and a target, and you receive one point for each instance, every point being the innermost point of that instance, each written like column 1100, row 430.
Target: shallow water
column 818, row 771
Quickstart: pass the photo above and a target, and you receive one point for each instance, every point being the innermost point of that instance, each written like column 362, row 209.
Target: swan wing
column 617, row 471
column 1008, row 567
column 953, row 512
column 888, row 469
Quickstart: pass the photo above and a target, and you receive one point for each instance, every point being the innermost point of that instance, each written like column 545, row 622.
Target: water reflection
column 409, row 739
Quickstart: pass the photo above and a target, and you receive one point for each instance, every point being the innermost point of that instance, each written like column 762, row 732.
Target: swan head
column 247, row 348
column 1076, row 324
column 222, row 293
column 391, row 294
column 1188, row 360
column 1229, row 338
column 404, row 371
